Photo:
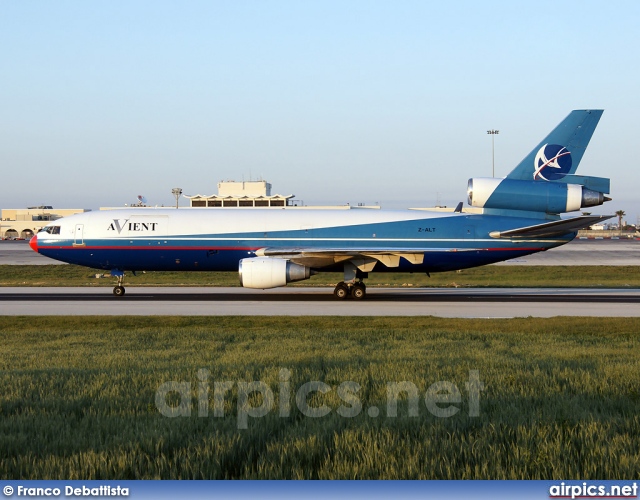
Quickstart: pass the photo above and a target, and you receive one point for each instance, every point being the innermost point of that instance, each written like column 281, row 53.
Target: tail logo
column 552, row 162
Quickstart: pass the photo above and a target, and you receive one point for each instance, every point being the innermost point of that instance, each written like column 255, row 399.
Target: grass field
column 561, row 398
column 498, row 276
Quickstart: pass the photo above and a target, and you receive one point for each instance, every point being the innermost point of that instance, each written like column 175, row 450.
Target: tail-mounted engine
column 534, row 196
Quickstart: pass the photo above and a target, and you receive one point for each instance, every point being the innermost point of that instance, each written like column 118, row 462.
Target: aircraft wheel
column 341, row 291
column 118, row 291
column 358, row 291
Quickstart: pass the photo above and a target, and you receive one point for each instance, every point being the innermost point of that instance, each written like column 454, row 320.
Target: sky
column 333, row 101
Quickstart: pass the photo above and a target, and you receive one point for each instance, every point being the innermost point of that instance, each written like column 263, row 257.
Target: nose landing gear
column 118, row 290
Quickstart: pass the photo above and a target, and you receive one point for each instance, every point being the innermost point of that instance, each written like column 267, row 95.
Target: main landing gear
column 357, row 290
column 353, row 285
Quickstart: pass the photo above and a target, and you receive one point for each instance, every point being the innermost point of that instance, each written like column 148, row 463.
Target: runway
column 299, row 301
column 303, row 301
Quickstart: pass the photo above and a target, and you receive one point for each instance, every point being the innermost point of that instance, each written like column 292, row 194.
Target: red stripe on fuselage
column 149, row 247
column 160, row 247
column 517, row 249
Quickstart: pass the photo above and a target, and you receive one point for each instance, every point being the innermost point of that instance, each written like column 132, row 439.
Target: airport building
column 242, row 194
column 23, row 223
column 245, row 194
column 256, row 194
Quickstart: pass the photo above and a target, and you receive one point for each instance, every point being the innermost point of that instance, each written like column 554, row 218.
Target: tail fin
column 559, row 154
column 544, row 183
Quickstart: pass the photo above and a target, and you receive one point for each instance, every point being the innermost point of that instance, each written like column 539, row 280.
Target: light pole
column 177, row 192
column 493, row 133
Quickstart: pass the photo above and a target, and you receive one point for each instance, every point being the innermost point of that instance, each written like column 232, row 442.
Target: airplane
column 270, row 247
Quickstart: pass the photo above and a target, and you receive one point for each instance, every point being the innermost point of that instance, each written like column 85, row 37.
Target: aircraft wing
column 366, row 258
column 553, row 228
column 363, row 259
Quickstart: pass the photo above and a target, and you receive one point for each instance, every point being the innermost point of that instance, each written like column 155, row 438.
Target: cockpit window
column 50, row 230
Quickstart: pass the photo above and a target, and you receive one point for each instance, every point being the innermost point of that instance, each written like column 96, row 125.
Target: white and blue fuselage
column 201, row 239
column 271, row 247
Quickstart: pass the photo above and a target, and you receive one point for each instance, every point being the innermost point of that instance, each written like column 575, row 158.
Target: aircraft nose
column 33, row 243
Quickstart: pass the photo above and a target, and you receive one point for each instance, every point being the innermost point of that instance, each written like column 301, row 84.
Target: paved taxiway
column 576, row 253
column 298, row 301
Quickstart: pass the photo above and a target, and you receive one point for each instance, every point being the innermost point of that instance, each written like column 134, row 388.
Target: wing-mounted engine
column 537, row 196
column 265, row 272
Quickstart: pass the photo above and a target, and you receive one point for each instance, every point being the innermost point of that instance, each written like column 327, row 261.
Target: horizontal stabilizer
column 554, row 228
column 599, row 184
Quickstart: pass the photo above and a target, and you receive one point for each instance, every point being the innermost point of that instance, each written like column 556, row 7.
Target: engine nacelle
column 533, row 196
column 264, row 272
